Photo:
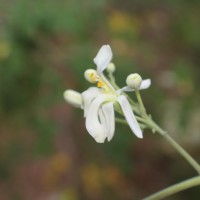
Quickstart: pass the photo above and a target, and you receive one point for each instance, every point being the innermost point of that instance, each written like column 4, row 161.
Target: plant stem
column 140, row 102
column 122, row 121
column 189, row 158
column 176, row 146
column 175, row 188
column 112, row 81
column 180, row 186
column 167, row 137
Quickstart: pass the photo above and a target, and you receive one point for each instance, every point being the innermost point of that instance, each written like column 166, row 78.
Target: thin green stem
column 155, row 128
column 140, row 102
column 137, row 117
column 176, row 146
column 182, row 151
column 112, row 81
column 167, row 137
column 122, row 121
column 131, row 101
column 175, row 188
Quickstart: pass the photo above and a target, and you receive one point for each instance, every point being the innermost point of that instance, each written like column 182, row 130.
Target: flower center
column 92, row 76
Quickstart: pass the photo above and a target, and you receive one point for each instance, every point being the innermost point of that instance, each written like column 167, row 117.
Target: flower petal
column 102, row 118
column 95, row 128
column 88, row 96
column 125, row 89
column 108, row 111
column 145, row 84
column 129, row 115
column 103, row 58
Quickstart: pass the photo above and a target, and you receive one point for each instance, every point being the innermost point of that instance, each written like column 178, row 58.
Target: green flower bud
column 74, row 98
column 111, row 68
column 134, row 81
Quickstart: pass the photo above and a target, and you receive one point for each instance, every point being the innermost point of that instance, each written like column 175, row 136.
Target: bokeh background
column 45, row 47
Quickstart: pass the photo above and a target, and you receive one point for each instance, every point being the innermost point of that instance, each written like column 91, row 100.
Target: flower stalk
column 179, row 186
column 184, row 153
column 143, row 110
column 166, row 136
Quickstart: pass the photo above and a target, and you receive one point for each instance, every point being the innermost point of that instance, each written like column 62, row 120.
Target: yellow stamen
column 92, row 76
column 99, row 84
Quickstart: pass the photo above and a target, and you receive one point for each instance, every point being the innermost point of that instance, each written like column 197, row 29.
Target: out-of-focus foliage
column 45, row 47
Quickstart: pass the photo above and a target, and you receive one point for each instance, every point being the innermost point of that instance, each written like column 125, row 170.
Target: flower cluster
column 100, row 102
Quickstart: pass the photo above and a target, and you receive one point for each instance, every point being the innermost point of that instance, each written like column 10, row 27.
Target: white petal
column 125, row 89
column 102, row 117
column 108, row 111
column 103, row 58
column 95, row 128
column 145, row 84
column 88, row 96
column 129, row 115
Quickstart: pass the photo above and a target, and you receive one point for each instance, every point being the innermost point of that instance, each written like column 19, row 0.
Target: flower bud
column 111, row 68
column 134, row 81
column 74, row 98
column 91, row 75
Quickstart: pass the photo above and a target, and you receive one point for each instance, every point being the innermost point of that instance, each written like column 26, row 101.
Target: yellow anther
column 91, row 75
column 99, row 84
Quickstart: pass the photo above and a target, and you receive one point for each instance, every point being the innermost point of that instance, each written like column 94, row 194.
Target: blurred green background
column 45, row 47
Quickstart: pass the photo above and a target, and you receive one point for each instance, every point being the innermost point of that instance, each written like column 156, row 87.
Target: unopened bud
column 91, row 75
column 111, row 68
column 74, row 98
column 134, row 81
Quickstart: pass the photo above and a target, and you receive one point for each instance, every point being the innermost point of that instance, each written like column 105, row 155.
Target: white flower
column 98, row 102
